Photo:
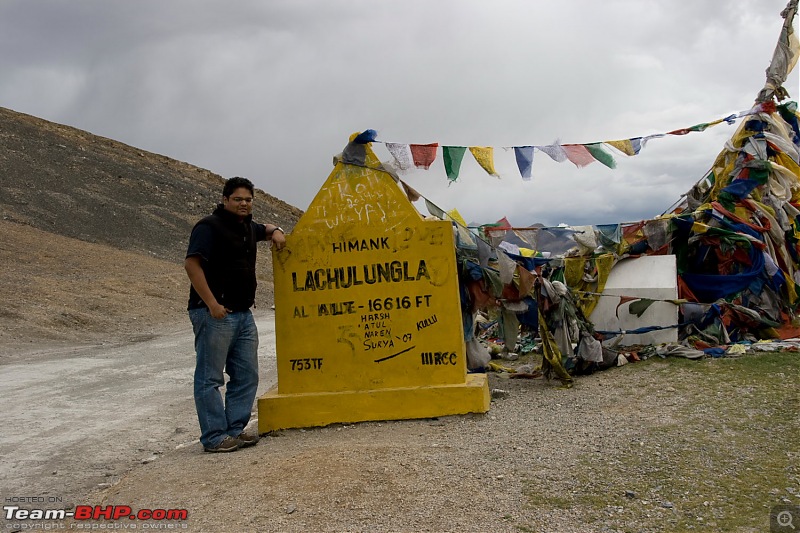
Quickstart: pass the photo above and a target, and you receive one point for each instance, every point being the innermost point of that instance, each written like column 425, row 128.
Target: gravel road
column 85, row 415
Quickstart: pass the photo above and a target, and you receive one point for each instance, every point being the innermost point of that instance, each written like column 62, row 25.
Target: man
column 221, row 264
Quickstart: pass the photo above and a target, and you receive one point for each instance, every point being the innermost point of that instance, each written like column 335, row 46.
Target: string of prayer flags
column 408, row 156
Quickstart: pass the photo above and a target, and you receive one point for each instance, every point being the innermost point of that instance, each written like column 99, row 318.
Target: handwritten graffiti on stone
column 362, row 204
column 382, row 359
column 427, row 322
column 377, row 331
column 439, row 358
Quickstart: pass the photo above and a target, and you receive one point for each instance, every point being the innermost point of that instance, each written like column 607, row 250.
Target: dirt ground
column 628, row 449
column 113, row 423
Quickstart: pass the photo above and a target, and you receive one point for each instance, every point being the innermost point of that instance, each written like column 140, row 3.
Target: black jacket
column 227, row 247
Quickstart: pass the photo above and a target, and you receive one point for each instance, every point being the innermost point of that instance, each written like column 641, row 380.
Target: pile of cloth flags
column 735, row 235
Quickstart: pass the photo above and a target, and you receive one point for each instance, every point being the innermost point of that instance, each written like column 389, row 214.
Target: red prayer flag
column 423, row 154
column 503, row 223
column 578, row 154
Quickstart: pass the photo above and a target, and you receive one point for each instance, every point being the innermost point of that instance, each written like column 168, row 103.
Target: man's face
column 240, row 202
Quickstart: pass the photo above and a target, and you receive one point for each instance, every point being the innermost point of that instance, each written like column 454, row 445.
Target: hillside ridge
column 93, row 233
column 73, row 183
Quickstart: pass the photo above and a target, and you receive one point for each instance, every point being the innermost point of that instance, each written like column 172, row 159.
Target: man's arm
column 194, row 269
column 276, row 235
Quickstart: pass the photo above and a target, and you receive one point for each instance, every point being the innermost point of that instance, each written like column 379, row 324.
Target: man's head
column 237, row 196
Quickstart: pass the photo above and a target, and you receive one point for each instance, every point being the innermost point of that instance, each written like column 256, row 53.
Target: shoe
column 246, row 440
column 228, row 444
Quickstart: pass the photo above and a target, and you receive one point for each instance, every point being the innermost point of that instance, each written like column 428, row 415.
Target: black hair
column 234, row 183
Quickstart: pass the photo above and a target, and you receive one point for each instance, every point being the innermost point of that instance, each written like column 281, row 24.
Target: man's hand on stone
column 278, row 238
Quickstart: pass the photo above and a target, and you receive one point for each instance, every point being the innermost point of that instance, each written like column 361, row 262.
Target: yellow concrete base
column 282, row 411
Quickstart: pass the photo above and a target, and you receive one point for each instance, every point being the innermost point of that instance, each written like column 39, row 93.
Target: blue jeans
column 229, row 344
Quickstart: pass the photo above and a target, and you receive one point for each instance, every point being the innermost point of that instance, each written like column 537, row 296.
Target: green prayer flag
column 760, row 173
column 727, row 200
column 453, row 155
column 597, row 151
column 640, row 306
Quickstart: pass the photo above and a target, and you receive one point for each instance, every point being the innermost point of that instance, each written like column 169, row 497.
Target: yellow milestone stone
column 367, row 311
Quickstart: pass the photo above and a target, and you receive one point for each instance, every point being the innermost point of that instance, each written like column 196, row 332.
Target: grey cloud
column 272, row 90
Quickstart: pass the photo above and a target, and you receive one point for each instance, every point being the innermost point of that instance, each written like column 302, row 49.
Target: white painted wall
column 653, row 277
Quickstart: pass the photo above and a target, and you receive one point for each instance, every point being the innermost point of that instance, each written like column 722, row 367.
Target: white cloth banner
column 401, row 154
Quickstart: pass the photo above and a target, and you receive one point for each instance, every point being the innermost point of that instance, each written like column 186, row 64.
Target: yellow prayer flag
column 455, row 215
column 790, row 288
column 625, row 146
column 573, row 271
column 604, row 264
column 484, row 155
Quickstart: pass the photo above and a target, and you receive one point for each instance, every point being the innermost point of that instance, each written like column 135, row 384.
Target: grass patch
column 719, row 448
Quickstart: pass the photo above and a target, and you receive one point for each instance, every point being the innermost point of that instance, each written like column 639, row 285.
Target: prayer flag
column 624, row 145
column 506, row 266
column 484, row 252
column 455, row 215
column 423, row 154
column 555, row 151
column 597, row 151
column 401, row 154
column 484, row 155
column 527, row 235
column 624, row 300
column 453, row 155
column 578, row 154
column 502, row 223
column 435, row 210
column 411, row 193
column 639, row 307
column 524, row 155
column 648, row 137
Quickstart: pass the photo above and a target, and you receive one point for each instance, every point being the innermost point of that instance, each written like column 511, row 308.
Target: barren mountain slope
column 93, row 232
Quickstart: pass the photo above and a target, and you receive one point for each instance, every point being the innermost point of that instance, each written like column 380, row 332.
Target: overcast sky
column 271, row 90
